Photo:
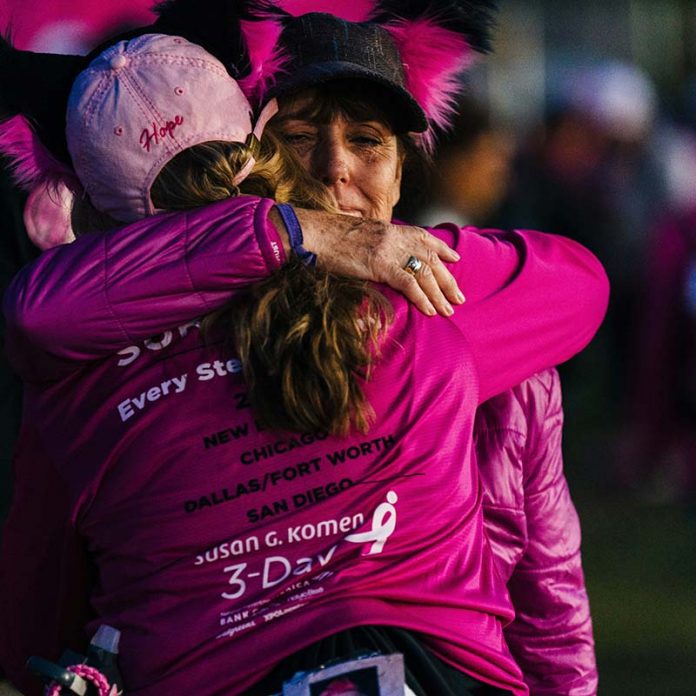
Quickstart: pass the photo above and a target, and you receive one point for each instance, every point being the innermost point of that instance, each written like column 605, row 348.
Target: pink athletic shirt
column 219, row 548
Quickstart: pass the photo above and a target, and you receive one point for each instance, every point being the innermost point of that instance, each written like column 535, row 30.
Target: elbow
column 23, row 326
column 585, row 290
column 585, row 287
column 597, row 295
column 31, row 318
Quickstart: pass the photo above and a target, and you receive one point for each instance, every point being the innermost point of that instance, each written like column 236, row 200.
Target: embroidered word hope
column 158, row 133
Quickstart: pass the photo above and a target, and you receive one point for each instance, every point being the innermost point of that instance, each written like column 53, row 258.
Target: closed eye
column 298, row 136
column 366, row 140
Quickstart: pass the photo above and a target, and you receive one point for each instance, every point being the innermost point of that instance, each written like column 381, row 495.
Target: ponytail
column 306, row 339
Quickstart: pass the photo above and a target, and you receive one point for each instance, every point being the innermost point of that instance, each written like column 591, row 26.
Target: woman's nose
column 331, row 162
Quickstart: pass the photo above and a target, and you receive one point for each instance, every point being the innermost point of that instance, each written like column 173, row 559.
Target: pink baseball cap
column 139, row 104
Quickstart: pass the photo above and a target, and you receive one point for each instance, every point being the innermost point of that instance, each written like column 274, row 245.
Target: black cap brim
column 404, row 110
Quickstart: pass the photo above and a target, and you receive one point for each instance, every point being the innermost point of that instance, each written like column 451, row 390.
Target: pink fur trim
column 433, row 58
column 31, row 161
column 267, row 59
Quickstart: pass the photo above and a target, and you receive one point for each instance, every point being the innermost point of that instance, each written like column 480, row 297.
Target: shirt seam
column 111, row 309
column 187, row 267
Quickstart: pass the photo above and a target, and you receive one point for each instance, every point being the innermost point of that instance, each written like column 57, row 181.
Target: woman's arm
column 534, row 300
column 551, row 636
column 86, row 300
column 378, row 251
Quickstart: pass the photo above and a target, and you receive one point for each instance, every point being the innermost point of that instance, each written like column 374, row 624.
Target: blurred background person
column 473, row 166
column 660, row 438
column 589, row 171
column 69, row 26
column 639, row 543
column 530, row 518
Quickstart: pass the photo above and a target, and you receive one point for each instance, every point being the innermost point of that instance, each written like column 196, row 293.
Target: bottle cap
column 106, row 638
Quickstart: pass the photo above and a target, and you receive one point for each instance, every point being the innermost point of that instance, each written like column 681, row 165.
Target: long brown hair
column 306, row 339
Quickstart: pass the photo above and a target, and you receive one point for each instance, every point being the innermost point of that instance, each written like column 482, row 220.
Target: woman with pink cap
column 223, row 547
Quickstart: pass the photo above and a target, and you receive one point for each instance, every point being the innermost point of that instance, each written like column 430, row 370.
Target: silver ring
column 413, row 265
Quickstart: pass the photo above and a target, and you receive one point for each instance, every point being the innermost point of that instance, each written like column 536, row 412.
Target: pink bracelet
column 90, row 674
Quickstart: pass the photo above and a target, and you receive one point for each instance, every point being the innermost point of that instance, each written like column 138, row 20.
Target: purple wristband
column 295, row 233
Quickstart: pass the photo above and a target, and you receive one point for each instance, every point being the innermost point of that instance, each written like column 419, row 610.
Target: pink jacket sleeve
column 88, row 299
column 534, row 300
column 551, row 636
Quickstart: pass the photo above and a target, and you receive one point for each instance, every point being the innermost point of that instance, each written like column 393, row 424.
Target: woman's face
column 359, row 161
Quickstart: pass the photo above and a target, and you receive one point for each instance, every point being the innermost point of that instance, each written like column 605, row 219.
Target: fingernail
column 431, row 311
column 455, row 255
column 460, row 296
column 448, row 310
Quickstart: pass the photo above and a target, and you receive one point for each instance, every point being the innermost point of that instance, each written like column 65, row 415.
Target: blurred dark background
column 583, row 123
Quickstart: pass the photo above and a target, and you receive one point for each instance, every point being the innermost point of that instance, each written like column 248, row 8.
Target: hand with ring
column 407, row 258
column 413, row 265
